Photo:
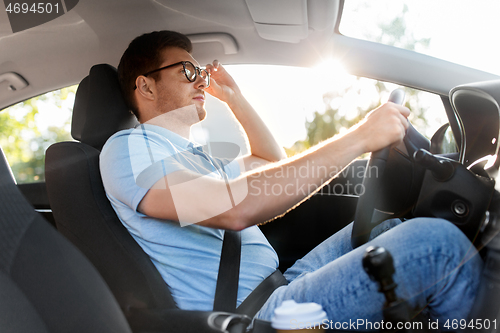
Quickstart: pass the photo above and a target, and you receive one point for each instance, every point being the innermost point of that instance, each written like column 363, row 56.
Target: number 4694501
column 475, row 324
column 36, row 8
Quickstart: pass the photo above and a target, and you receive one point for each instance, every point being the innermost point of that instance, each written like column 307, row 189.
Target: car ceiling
column 60, row 52
column 281, row 32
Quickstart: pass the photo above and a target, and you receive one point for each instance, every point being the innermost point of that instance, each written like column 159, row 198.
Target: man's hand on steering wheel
column 383, row 126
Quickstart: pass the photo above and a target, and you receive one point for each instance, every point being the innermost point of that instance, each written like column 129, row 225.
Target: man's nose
column 200, row 82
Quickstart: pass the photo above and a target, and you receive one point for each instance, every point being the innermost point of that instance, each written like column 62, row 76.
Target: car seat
column 46, row 284
column 85, row 216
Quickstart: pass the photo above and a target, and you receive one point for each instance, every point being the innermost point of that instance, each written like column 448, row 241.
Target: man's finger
column 210, row 68
column 404, row 110
column 405, row 122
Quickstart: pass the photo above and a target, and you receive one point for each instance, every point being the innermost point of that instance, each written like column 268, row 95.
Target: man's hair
column 144, row 55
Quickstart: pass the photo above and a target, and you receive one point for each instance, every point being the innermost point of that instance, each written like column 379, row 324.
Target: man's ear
column 146, row 87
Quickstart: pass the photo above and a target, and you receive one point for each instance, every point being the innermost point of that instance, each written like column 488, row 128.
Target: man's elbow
column 237, row 219
column 277, row 156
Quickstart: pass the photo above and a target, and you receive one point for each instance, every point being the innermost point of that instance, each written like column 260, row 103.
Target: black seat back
column 81, row 209
column 46, row 285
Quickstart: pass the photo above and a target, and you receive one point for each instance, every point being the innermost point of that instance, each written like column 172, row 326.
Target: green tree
column 23, row 139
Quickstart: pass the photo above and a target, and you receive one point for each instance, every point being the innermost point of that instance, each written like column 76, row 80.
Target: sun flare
column 331, row 73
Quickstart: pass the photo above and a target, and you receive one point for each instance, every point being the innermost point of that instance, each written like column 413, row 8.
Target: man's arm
column 263, row 145
column 262, row 142
column 266, row 193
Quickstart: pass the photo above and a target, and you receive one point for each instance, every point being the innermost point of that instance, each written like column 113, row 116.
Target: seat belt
column 254, row 302
column 226, row 290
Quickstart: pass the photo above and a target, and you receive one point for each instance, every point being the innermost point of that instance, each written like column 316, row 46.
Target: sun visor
column 280, row 20
column 476, row 106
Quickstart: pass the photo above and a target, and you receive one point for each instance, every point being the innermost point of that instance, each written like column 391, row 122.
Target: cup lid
column 292, row 316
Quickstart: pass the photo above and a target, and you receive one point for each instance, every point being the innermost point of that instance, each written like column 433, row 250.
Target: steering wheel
column 364, row 220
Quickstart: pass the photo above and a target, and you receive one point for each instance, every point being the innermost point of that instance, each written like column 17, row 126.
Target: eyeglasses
column 190, row 70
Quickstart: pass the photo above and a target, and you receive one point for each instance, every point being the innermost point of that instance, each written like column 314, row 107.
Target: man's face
column 174, row 89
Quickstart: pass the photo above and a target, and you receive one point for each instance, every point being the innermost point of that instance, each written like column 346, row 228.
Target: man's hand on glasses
column 222, row 85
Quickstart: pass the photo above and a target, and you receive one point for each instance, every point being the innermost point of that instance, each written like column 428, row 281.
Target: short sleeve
column 152, row 157
column 132, row 161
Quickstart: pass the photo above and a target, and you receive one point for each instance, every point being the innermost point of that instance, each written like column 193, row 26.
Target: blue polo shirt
column 187, row 257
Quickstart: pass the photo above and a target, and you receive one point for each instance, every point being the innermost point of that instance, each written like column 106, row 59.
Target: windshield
column 459, row 31
column 304, row 106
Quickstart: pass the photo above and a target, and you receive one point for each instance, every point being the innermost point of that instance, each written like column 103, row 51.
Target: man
column 176, row 199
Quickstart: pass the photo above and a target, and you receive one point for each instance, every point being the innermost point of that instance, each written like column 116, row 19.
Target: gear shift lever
column 378, row 264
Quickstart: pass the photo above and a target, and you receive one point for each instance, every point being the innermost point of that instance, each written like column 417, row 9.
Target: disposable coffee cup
column 298, row 317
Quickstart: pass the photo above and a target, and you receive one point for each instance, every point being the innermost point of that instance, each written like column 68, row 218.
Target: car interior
column 69, row 265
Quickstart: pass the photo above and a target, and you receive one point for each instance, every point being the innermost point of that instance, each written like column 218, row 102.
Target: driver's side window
column 315, row 107
column 345, row 107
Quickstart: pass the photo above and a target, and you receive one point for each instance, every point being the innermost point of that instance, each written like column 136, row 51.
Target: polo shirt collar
column 173, row 137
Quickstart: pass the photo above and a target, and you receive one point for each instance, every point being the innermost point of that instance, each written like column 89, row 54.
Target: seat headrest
column 100, row 110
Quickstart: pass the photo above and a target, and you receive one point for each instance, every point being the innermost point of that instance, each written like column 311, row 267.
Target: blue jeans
column 437, row 268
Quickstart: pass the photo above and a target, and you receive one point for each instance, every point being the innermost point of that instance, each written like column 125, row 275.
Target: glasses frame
column 197, row 72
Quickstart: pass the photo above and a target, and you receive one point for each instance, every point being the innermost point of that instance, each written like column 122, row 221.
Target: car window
column 303, row 107
column 28, row 128
column 452, row 30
